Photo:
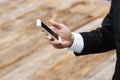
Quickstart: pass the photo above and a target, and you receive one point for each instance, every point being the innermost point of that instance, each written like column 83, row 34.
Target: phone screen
column 41, row 25
column 49, row 30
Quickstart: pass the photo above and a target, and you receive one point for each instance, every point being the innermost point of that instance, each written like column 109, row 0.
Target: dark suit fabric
column 105, row 38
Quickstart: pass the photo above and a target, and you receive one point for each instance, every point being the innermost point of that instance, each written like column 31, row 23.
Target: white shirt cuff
column 78, row 43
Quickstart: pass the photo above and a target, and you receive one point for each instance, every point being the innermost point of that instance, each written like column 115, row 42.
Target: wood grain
column 25, row 54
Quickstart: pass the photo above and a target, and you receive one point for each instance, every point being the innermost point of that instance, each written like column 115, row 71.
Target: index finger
column 55, row 24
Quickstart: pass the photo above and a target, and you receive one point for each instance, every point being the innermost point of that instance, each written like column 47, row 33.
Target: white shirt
column 78, row 43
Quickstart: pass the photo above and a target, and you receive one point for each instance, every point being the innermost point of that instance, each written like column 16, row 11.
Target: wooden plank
column 54, row 64
column 26, row 55
column 104, row 71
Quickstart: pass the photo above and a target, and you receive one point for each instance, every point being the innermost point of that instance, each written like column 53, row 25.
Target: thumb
column 55, row 24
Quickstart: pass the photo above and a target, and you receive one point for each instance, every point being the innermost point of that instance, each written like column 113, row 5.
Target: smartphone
column 45, row 28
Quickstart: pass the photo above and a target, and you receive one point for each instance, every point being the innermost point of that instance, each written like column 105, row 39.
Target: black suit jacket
column 105, row 38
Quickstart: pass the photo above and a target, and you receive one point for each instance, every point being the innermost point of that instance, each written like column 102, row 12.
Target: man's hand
column 63, row 32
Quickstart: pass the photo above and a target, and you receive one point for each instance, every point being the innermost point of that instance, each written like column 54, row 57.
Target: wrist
column 71, row 41
column 78, row 43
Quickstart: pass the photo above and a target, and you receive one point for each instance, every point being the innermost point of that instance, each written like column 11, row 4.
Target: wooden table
column 25, row 53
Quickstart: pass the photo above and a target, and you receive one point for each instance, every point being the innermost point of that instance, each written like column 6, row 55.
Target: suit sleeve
column 99, row 40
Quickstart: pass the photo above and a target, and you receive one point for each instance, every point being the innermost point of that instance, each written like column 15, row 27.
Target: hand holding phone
column 45, row 28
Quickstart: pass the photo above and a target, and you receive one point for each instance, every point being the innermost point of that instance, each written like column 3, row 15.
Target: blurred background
column 25, row 53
